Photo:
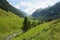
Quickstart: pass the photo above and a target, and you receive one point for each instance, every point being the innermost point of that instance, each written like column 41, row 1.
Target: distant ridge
column 49, row 13
column 7, row 7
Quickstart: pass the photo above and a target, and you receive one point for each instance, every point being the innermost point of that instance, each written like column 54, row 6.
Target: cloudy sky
column 29, row 6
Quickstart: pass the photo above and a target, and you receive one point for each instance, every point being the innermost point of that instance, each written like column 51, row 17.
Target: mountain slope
column 50, row 13
column 9, row 23
column 45, row 31
column 51, row 33
column 7, row 7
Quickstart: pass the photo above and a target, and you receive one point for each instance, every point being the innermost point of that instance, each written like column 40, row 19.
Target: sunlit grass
column 9, row 23
column 32, row 32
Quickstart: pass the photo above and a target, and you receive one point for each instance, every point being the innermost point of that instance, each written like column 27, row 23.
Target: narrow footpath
column 10, row 36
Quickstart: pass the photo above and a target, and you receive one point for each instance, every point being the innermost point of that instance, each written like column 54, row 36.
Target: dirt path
column 9, row 37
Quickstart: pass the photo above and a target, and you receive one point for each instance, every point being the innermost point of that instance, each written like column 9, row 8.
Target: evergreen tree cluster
column 27, row 24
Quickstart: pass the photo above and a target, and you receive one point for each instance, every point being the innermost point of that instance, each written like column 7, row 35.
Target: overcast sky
column 29, row 6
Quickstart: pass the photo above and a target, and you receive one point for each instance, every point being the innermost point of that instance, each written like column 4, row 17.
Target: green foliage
column 26, row 24
column 29, row 24
column 33, row 24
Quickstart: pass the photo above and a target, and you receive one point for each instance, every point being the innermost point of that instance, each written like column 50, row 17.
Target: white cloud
column 29, row 10
column 31, row 7
column 11, row 0
column 17, row 6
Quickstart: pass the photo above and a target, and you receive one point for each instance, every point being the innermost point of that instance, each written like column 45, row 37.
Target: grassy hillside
column 52, row 33
column 9, row 23
column 45, row 31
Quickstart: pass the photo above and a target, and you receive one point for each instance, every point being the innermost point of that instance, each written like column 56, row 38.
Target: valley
column 43, row 24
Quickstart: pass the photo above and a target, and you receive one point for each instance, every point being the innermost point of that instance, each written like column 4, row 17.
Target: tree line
column 28, row 25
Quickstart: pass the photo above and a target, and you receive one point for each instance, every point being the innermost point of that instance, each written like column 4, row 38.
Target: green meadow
column 45, row 31
column 9, row 23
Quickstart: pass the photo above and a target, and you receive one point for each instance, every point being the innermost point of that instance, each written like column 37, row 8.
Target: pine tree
column 26, row 24
column 29, row 26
